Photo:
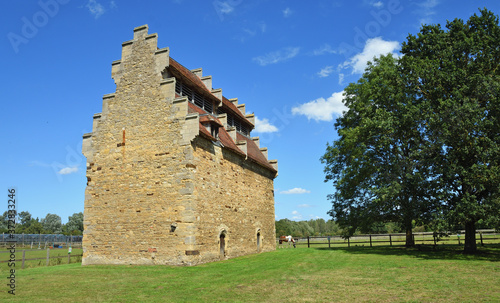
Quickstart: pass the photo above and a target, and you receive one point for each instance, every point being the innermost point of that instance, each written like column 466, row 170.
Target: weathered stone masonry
column 173, row 176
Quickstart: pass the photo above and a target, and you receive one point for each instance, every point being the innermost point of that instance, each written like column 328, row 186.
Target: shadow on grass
column 489, row 252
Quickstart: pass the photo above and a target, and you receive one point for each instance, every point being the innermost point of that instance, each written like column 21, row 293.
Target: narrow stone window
column 258, row 242
column 222, row 243
column 214, row 131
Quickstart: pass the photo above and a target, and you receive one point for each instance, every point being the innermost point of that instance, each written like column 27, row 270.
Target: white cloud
column 304, row 206
column 295, row 191
column 95, row 8
column 249, row 32
column 429, row 4
column 341, row 78
column 321, row 109
column 287, row 12
column 225, row 7
column 277, row 56
column 68, row 170
column 260, row 27
column 296, row 215
column 263, row 27
column 373, row 48
column 325, row 72
column 426, row 11
column 374, row 3
column 314, row 217
column 264, row 126
column 325, row 49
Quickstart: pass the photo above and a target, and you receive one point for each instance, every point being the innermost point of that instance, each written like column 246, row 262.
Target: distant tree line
column 51, row 224
column 320, row 227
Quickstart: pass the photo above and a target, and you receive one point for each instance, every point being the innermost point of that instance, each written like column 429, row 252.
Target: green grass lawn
column 356, row 274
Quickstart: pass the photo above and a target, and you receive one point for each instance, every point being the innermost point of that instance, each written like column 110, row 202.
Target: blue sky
column 288, row 61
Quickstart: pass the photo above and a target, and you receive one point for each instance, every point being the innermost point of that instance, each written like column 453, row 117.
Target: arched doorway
column 222, row 244
column 258, row 241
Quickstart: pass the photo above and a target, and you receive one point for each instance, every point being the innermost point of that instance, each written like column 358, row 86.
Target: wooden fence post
column 370, row 240
column 24, row 257
column 48, row 256
column 481, row 236
column 328, row 241
column 308, row 242
column 390, row 239
column 349, row 242
column 434, row 239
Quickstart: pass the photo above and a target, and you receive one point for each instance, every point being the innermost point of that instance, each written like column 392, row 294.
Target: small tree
column 75, row 224
column 4, row 222
column 52, row 223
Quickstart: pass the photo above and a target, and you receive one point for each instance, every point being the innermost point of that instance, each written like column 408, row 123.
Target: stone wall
column 234, row 196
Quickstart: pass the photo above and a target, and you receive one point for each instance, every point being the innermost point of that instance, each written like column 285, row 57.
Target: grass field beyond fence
column 316, row 274
column 421, row 238
column 38, row 257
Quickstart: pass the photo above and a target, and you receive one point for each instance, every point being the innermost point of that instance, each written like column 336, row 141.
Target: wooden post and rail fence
column 420, row 238
column 6, row 259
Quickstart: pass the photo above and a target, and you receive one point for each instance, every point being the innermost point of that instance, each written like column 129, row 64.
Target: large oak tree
column 421, row 138
column 456, row 73
column 377, row 165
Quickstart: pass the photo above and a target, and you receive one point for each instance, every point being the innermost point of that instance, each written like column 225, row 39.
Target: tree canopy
column 456, row 72
column 75, row 224
column 420, row 140
column 376, row 164
column 51, row 224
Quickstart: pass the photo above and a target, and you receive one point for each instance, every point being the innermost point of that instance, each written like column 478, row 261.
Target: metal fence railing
column 40, row 240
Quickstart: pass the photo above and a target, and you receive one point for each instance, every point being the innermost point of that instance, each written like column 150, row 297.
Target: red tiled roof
column 228, row 142
column 180, row 71
column 195, row 109
column 205, row 132
column 226, row 104
column 211, row 119
column 254, row 153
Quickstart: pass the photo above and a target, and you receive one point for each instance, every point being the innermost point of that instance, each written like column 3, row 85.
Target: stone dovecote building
column 173, row 176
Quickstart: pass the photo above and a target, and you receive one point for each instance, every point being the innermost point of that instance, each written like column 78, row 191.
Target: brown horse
column 288, row 239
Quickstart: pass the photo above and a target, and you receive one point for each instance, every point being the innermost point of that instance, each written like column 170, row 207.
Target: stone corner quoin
column 173, row 176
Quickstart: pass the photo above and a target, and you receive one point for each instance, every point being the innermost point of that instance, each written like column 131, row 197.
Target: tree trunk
column 409, row 238
column 470, row 238
column 409, row 234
